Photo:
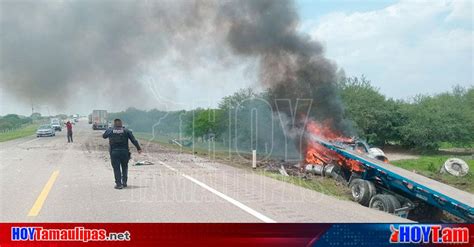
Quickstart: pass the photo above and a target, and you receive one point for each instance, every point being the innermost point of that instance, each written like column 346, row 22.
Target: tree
column 233, row 101
column 376, row 119
column 36, row 116
column 446, row 117
column 204, row 123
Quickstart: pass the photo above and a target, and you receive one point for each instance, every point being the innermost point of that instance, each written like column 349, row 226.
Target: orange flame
column 316, row 153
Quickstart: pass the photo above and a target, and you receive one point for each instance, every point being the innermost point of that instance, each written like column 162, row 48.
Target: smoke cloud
column 51, row 49
column 292, row 65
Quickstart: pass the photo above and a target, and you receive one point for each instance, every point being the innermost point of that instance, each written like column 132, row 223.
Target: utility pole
column 32, row 107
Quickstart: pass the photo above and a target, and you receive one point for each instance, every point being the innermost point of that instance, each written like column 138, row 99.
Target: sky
column 404, row 48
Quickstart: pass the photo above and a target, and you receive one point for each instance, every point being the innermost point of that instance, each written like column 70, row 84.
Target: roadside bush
column 447, row 117
column 13, row 121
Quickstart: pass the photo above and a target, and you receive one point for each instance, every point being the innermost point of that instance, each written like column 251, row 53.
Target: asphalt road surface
column 49, row 180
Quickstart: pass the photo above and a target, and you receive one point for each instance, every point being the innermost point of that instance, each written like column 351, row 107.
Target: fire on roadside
column 317, row 154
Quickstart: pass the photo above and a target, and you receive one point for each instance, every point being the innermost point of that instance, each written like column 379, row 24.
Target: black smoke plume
column 292, row 65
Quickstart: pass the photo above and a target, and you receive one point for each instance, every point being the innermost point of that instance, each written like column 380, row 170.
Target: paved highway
column 49, row 180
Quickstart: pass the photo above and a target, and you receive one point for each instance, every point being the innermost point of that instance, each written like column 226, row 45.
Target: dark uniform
column 119, row 152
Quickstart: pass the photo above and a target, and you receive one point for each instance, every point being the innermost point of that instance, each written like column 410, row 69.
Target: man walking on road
column 69, row 131
column 119, row 151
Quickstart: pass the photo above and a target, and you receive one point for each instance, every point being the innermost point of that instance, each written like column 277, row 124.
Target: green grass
column 26, row 130
column 430, row 165
column 448, row 145
column 327, row 186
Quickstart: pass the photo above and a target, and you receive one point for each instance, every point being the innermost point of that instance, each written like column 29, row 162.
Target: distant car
column 45, row 130
column 56, row 124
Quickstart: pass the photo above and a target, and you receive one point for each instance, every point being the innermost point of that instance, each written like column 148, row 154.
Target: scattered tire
column 362, row 191
column 456, row 167
column 383, row 203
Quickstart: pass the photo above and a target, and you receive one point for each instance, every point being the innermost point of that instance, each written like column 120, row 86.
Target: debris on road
column 456, row 167
column 282, row 167
column 174, row 141
column 283, row 171
column 181, row 142
column 142, row 163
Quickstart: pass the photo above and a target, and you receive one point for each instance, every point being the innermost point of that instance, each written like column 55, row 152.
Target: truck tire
column 395, row 202
column 362, row 191
column 383, row 203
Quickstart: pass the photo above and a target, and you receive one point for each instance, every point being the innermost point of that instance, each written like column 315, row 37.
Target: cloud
column 407, row 48
column 461, row 10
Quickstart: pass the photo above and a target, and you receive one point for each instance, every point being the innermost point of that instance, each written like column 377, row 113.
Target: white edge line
column 167, row 166
column 224, row 196
column 231, row 200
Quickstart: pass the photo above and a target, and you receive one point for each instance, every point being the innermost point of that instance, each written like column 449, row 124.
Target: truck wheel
column 362, row 191
column 383, row 203
column 395, row 202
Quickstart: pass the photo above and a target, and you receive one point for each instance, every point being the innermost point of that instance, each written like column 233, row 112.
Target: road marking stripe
column 169, row 167
column 224, row 196
column 43, row 195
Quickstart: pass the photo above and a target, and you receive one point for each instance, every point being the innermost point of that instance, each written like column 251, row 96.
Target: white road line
column 224, row 196
column 231, row 200
column 167, row 166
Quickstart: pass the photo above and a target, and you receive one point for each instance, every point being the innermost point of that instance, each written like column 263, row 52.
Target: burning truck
column 377, row 184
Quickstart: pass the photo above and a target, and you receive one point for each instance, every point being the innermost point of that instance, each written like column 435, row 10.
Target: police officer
column 119, row 151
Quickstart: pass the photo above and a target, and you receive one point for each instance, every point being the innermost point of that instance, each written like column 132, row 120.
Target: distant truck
column 99, row 119
column 75, row 118
column 56, row 124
